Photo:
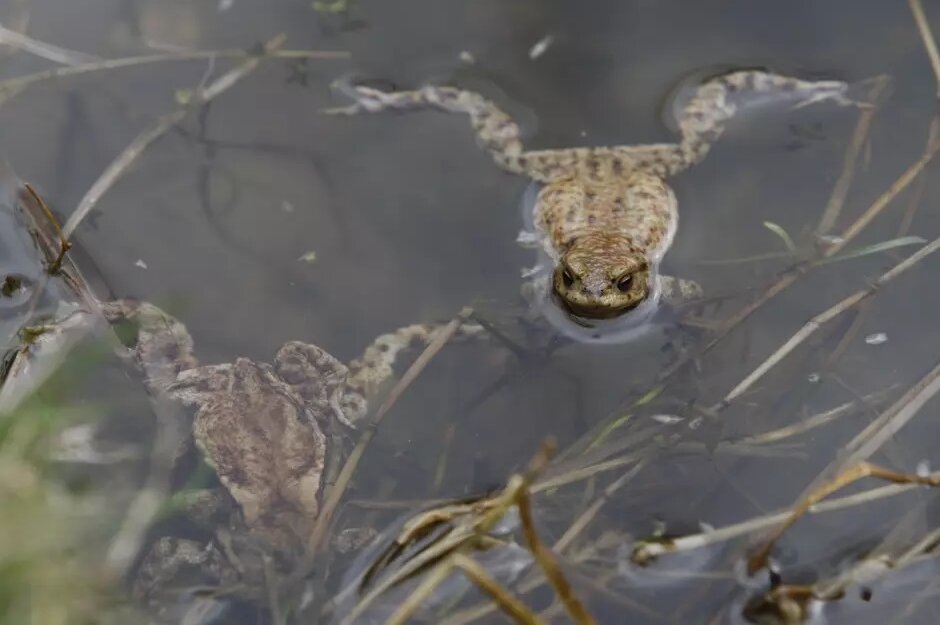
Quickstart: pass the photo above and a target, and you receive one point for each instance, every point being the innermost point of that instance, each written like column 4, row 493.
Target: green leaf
column 780, row 232
column 746, row 259
column 871, row 249
column 308, row 257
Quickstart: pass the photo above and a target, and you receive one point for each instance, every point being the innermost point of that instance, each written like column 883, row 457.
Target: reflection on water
column 408, row 221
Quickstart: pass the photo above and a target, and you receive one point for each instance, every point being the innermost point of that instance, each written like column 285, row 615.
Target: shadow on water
column 255, row 220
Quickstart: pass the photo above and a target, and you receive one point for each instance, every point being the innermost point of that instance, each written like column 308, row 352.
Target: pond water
column 410, row 221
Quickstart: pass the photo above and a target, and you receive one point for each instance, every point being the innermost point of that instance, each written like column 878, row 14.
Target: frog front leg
column 675, row 291
column 369, row 373
column 701, row 123
column 163, row 346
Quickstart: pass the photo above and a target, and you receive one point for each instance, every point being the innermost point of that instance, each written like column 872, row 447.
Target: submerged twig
column 119, row 166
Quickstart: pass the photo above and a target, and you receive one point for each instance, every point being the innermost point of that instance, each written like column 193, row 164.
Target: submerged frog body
column 605, row 216
column 266, row 429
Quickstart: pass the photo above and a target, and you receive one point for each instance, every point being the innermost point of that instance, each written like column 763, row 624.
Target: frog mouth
column 582, row 314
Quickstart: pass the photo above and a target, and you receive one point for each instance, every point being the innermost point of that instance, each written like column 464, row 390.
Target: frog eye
column 625, row 282
column 566, row 277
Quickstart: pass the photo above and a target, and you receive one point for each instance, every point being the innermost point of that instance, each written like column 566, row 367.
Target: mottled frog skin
column 606, row 216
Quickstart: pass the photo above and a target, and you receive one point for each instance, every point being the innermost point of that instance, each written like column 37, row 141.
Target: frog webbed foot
column 529, row 239
column 863, row 94
column 365, row 99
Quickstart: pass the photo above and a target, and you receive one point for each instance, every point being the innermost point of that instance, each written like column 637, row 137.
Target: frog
column 267, row 430
column 603, row 217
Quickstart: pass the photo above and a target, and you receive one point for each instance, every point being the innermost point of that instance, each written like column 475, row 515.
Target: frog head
column 602, row 275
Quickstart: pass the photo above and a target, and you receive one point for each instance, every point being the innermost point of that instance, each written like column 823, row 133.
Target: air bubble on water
column 813, row 378
column 923, row 468
column 667, row 419
column 831, row 239
column 541, row 46
column 877, row 338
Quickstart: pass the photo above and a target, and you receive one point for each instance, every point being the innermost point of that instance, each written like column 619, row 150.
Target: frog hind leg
column 375, row 367
column 701, row 123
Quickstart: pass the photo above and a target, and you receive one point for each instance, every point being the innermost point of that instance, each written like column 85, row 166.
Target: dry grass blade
column 428, row 585
column 866, row 443
column 13, row 86
column 788, row 279
column 546, row 560
column 817, row 322
column 888, row 423
column 43, row 50
column 849, row 476
column 575, row 529
column 885, row 199
column 119, row 166
column 336, row 493
column 645, row 552
column 916, row 196
column 867, row 250
column 841, row 189
column 502, row 599
column 894, row 552
column 930, row 45
column 814, row 421
column 54, row 264
column 469, row 524
column 506, row 602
